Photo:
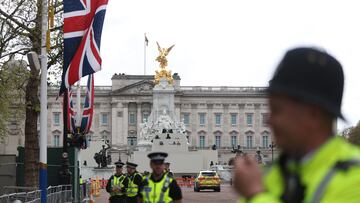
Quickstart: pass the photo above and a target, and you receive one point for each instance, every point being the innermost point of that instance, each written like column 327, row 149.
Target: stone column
column 138, row 119
column 114, row 123
column 125, row 124
column 225, row 137
column 242, row 121
column 210, row 124
column 257, row 125
column 193, row 121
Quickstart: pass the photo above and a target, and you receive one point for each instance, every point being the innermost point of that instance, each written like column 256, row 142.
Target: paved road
column 227, row 195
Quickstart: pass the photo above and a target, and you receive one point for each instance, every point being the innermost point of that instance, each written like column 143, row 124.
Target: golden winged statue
column 163, row 52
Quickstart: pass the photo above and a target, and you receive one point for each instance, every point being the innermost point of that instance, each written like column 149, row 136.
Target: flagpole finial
column 146, row 39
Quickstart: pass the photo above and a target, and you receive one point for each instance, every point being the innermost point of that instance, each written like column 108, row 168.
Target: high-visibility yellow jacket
column 118, row 182
column 331, row 175
column 133, row 188
column 157, row 192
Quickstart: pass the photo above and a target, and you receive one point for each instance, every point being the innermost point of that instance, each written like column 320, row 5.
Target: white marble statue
column 145, row 133
column 164, row 121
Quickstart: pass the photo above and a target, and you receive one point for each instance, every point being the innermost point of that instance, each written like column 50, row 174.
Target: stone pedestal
column 190, row 162
column 163, row 132
column 100, row 173
column 144, row 145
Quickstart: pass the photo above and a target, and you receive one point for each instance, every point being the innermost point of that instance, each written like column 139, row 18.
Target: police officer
column 167, row 169
column 82, row 185
column 305, row 96
column 135, row 180
column 158, row 187
column 117, row 185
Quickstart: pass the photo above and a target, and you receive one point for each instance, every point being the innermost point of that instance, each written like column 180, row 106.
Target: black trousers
column 131, row 199
column 117, row 199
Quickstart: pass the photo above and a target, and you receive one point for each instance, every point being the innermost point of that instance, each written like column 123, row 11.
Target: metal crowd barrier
column 28, row 197
column 55, row 194
column 16, row 189
column 59, row 194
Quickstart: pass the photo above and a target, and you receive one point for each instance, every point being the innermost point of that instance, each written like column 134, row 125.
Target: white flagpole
column 76, row 152
column 145, row 44
column 78, row 104
column 43, row 105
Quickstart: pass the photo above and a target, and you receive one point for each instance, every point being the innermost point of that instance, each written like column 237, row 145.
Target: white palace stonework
column 225, row 116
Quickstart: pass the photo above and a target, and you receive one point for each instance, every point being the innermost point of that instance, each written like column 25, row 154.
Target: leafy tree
column 354, row 134
column 345, row 132
column 13, row 76
column 20, row 33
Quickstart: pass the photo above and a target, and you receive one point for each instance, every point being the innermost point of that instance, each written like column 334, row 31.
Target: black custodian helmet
column 311, row 75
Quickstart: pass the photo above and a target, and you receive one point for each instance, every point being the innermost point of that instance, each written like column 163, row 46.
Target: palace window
column 265, row 119
column 217, row 119
column 145, row 116
column 132, row 141
column 202, row 118
column 265, row 139
column 132, row 118
column 249, row 141
column 218, row 141
column 56, row 118
column 202, row 141
column 56, row 140
column 233, row 119
column 233, row 139
column 186, row 119
column 104, row 119
column 249, row 119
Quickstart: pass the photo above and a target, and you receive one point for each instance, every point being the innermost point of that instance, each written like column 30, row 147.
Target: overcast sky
column 230, row 42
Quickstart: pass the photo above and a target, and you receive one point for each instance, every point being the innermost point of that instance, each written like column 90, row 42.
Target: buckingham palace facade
column 225, row 116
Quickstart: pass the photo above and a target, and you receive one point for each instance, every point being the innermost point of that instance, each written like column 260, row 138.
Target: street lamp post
column 272, row 151
column 258, row 155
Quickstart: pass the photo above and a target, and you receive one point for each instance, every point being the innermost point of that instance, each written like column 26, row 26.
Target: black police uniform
column 174, row 189
column 134, row 181
column 114, row 198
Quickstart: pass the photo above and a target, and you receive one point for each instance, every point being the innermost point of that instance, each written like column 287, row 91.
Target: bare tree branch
column 15, row 21
column 54, row 59
column 22, row 51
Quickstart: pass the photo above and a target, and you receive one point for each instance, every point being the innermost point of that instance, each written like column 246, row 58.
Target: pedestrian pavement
column 227, row 195
column 104, row 197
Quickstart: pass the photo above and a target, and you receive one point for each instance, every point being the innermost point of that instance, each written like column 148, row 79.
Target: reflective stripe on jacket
column 117, row 182
column 157, row 192
column 323, row 177
column 133, row 188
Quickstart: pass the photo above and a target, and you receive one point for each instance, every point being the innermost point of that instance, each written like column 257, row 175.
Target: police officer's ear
column 324, row 118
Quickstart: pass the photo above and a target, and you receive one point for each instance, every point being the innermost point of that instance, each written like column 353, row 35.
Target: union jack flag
column 83, row 22
column 71, row 122
column 88, row 109
column 87, row 112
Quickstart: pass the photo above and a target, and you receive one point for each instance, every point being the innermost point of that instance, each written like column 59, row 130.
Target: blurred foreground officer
column 135, row 180
column 159, row 187
column 305, row 96
column 117, row 185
